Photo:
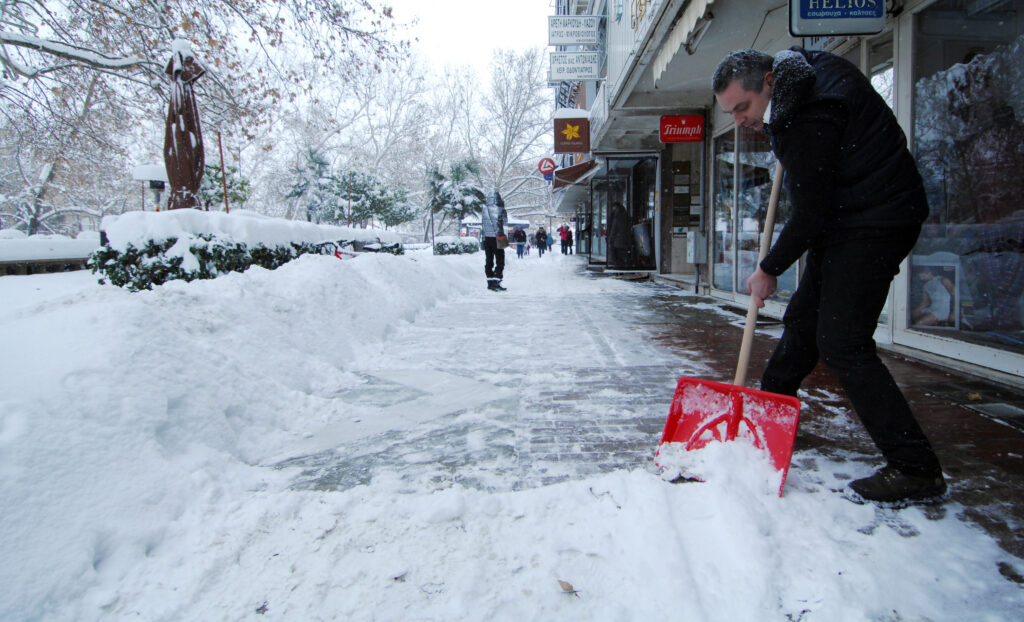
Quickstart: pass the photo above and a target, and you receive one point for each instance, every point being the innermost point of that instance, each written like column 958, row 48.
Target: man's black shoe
column 495, row 285
column 890, row 485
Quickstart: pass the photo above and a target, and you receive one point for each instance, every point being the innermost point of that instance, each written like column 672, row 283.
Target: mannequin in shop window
column 936, row 308
column 620, row 242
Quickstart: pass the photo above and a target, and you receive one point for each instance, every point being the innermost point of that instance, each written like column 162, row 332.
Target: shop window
column 755, row 185
column 743, row 180
column 598, row 223
column 967, row 270
column 723, row 201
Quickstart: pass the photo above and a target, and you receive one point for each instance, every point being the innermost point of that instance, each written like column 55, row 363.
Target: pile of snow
column 135, row 479
column 244, row 226
column 16, row 246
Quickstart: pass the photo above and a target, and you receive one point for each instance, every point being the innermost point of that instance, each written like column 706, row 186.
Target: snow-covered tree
column 88, row 77
column 457, row 195
column 239, row 42
column 347, row 197
column 211, row 190
column 516, row 127
column 365, row 198
column 316, row 190
column 56, row 170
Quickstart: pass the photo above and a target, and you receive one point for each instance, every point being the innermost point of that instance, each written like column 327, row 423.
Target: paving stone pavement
column 579, row 387
column 578, row 382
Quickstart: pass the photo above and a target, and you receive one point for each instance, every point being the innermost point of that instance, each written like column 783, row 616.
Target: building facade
column 691, row 211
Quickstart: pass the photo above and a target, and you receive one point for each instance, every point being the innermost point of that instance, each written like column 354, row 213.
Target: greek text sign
column 812, row 18
column 573, row 30
column 575, row 66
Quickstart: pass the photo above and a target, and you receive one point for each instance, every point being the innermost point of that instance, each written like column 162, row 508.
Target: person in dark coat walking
column 519, row 237
column 541, row 238
column 858, row 205
column 492, row 224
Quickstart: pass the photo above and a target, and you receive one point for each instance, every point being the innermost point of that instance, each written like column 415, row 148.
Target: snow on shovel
column 704, row 412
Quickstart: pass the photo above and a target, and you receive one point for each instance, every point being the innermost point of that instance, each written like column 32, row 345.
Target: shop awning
column 574, row 174
column 688, row 29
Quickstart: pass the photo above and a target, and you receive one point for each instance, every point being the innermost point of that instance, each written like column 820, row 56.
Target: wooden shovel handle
column 766, row 242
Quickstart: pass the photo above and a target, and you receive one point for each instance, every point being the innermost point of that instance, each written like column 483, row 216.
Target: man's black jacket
column 845, row 156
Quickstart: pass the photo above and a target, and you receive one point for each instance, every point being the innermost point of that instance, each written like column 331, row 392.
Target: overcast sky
column 465, row 32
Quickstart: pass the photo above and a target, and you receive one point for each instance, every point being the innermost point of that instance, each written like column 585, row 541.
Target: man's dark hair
column 747, row 66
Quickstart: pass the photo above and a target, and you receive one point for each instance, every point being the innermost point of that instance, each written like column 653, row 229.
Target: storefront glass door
column 623, row 203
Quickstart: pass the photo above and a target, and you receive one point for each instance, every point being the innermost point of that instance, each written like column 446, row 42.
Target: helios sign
column 814, row 18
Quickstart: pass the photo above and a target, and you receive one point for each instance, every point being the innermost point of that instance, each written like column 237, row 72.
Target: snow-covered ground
column 142, row 437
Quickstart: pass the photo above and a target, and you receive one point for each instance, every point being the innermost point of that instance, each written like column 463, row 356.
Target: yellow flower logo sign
column 571, row 131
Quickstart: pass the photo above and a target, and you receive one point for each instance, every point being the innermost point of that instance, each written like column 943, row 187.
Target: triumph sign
column 688, row 128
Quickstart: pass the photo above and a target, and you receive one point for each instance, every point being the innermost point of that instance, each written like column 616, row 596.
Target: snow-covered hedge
column 452, row 245
column 143, row 249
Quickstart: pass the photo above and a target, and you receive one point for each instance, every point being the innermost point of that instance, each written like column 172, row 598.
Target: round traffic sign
column 546, row 166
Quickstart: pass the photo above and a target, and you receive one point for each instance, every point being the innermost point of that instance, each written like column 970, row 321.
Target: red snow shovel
column 704, row 411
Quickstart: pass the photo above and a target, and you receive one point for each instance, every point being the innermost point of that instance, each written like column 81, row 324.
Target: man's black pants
column 494, row 259
column 833, row 314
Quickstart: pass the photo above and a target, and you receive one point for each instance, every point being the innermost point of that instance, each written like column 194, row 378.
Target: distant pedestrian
column 563, row 234
column 568, row 241
column 492, row 224
column 542, row 241
column 519, row 237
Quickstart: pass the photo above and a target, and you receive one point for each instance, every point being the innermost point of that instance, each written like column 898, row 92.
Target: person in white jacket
column 492, row 224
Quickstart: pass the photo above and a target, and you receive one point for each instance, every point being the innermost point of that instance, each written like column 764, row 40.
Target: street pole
column 223, row 174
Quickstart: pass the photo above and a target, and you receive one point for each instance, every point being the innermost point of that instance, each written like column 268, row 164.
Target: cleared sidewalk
column 569, row 374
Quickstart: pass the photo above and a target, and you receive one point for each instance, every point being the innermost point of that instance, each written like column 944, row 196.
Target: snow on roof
column 183, row 46
column 150, row 172
column 570, row 113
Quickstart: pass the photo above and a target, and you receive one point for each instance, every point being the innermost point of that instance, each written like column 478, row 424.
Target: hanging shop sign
column 572, row 135
column 571, row 66
column 574, row 30
column 687, row 128
column 816, row 18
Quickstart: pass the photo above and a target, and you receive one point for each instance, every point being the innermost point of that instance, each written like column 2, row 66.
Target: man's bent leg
column 855, row 281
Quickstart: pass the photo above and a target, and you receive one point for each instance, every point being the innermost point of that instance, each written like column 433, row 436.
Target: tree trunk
column 36, row 220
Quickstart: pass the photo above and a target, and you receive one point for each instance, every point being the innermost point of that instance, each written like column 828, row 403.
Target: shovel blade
column 705, row 412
